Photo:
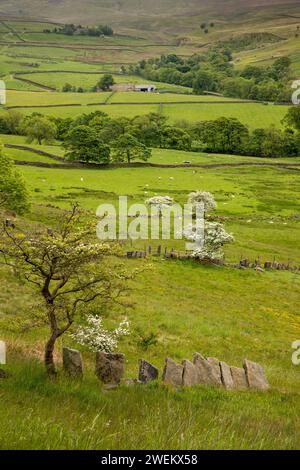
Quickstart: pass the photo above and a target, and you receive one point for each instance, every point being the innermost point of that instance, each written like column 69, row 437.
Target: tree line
column 72, row 29
column 213, row 71
column 97, row 137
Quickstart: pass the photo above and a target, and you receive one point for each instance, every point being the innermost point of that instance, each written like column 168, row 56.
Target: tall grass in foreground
column 39, row 414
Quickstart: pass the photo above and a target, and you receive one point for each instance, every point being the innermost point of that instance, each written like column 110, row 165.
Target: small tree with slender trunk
column 69, row 270
column 38, row 128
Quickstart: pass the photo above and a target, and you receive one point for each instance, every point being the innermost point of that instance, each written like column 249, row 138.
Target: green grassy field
column 240, row 192
column 253, row 115
column 54, row 148
column 223, row 312
column 135, row 97
column 23, row 155
column 88, row 81
column 17, row 98
column 25, row 98
column 218, row 311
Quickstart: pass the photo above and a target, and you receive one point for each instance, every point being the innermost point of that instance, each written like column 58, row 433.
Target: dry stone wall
column 211, row 371
column 201, row 370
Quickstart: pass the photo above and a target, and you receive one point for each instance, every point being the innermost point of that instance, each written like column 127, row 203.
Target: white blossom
column 97, row 338
column 204, row 197
column 215, row 236
column 160, row 202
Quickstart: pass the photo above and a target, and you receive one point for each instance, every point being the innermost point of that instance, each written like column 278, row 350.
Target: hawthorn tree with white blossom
column 202, row 197
column 159, row 202
column 215, row 235
column 68, row 269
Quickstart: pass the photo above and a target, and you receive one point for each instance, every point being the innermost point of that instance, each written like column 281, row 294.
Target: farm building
column 148, row 88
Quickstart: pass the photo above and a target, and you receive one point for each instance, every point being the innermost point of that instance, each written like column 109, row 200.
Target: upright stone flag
column 2, row 92
column 2, row 352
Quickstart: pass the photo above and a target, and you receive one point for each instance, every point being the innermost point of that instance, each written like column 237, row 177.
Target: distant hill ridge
column 99, row 10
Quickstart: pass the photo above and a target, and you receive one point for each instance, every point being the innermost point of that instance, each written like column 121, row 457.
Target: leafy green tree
column 107, row 129
column 10, row 122
column 40, row 128
column 4, row 128
column 127, row 148
column 85, row 119
column 252, row 71
column 63, row 126
column 256, row 142
column 106, row 30
column 100, row 122
column 268, row 91
column 149, row 129
column 232, row 134
column 224, row 135
column 279, row 144
column 69, row 29
column 292, row 117
column 273, row 143
column 204, row 81
column 176, row 138
column 106, row 82
column 281, row 67
column 173, row 58
column 13, row 193
column 67, row 88
column 238, row 87
column 83, row 144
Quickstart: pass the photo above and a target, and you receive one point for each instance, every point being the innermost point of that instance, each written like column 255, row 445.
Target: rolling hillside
column 129, row 12
column 166, row 22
